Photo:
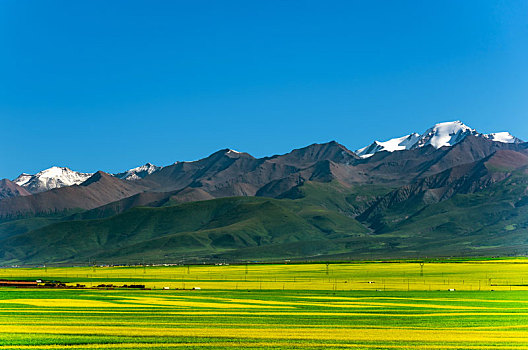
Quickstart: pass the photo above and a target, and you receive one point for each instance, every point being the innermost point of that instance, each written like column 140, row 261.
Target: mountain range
column 450, row 191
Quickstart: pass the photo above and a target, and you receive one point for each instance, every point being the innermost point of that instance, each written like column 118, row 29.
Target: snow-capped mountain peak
column 139, row 172
column 503, row 136
column 440, row 135
column 56, row 177
column 51, row 178
column 445, row 134
column 396, row 144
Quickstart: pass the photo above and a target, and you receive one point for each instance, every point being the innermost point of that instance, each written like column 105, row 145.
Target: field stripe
column 278, row 313
column 262, row 345
column 301, row 333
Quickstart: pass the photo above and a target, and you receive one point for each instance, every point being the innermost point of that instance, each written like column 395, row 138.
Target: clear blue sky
column 113, row 84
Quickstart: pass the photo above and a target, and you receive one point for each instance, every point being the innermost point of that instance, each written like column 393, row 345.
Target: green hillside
column 20, row 226
column 312, row 221
column 194, row 229
column 493, row 220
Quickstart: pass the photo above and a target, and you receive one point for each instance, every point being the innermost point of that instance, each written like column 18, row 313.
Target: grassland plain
column 373, row 305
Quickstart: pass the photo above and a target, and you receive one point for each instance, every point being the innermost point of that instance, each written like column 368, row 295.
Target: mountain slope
column 229, row 173
column 202, row 229
column 493, row 221
column 478, row 177
column 11, row 189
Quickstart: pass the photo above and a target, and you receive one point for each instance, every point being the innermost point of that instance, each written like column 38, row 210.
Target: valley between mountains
column 450, row 191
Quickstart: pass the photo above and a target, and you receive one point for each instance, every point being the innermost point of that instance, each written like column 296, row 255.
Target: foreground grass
column 316, row 308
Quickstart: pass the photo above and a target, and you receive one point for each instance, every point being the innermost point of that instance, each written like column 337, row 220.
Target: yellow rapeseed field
column 357, row 305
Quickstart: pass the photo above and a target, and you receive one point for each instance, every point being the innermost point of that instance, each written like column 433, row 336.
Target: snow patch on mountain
column 54, row 177
column 22, row 179
column 504, row 137
column 396, row 144
column 138, row 173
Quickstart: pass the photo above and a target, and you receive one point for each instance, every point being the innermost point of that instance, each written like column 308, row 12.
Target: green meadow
column 370, row 305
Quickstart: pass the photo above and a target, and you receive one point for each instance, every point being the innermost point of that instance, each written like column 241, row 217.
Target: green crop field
column 374, row 305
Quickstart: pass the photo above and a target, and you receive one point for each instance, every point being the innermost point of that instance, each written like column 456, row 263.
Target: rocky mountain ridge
column 457, row 191
column 445, row 134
